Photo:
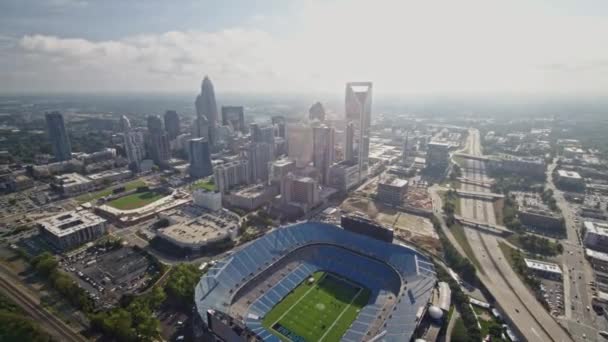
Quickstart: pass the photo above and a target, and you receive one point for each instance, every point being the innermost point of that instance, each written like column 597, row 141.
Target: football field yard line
column 341, row 313
column 298, row 301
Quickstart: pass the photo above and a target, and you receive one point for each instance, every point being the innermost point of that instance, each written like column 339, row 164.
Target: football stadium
column 316, row 282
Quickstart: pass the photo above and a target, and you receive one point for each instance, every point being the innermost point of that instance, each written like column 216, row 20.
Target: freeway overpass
column 486, row 227
column 479, row 195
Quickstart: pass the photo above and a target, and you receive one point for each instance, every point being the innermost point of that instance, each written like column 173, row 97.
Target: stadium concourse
column 247, row 285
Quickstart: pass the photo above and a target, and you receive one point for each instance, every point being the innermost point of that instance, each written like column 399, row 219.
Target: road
column 577, row 273
column 11, row 286
column 512, row 295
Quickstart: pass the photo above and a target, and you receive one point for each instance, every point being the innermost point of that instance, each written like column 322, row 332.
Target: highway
column 513, row 297
column 12, row 288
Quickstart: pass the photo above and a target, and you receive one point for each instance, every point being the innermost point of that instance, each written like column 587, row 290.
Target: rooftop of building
column 543, row 266
column 69, row 222
column 282, row 162
column 346, row 163
column 108, row 173
column 73, row 179
column 596, row 255
column 252, row 191
column 441, row 144
column 208, row 226
column 393, row 181
column 599, row 228
column 568, row 174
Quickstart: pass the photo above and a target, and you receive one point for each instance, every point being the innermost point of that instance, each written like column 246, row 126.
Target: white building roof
column 70, row 179
column 69, row 222
column 568, row 174
column 543, row 266
column 598, row 228
column 596, row 255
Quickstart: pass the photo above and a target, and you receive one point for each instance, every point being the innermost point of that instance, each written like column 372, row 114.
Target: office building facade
column 206, row 107
column 58, row 135
column 200, row 158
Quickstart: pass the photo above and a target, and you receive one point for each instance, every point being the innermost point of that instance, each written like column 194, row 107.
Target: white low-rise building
column 74, row 183
column 211, row 200
column 72, row 229
column 544, row 269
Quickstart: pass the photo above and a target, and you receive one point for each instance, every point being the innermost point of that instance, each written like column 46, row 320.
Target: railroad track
column 54, row 326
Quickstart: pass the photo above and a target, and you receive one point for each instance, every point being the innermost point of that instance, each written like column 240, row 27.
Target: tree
column 181, row 283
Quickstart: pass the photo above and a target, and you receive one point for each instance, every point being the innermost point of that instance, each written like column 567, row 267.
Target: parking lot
column 553, row 293
column 107, row 274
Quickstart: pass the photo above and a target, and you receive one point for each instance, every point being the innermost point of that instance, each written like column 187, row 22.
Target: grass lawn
column 458, row 232
column 203, row 184
column 321, row 311
column 91, row 196
column 136, row 200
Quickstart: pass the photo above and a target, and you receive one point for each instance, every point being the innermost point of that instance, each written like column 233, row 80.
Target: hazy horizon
column 296, row 46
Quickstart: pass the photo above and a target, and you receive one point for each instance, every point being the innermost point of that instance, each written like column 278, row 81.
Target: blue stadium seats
column 382, row 267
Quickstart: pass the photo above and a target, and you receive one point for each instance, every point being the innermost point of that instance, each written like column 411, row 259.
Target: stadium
column 316, row 282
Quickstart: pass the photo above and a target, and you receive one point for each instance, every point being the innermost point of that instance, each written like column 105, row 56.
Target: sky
column 291, row 46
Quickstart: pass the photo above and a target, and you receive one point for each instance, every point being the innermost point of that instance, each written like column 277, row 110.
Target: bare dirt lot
column 416, row 229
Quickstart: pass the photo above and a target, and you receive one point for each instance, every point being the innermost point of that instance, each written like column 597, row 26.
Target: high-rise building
column 158, row 141
column 172, row 124
column 299, row 144
column 358, row 110
column 316, row 112
column 438, row 155
column 58, row 135
column 125, row 124
column 404, row 154
column 155, row 124
column 134, row 146
column 206, row 107
column 200, row 158
column 300, row 191
column 323, row 151
column 260, row 156
column 279, row 123
column 234, row 116
column 231, row 174
column 349, row 141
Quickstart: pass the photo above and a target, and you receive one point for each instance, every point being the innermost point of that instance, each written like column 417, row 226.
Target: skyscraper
column 323, row 151
column 200, row 158
column 158, row 141
column 155, row 124
column 279, row 123
column 260, row 156
column 125, row 124
column 349, row 141
column 134, row 144
column 172, row 124
column 316, row 112
column 233, row 173
column 299, row 144
column 234, row 116
column 358, row 110
column 58, row 135
column 207, row 107
column 405, row 147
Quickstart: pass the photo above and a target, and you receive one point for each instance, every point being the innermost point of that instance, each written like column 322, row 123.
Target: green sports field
column 321, row 311
column 136, row 200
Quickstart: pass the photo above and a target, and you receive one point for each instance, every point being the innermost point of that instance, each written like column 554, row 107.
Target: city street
column 577, row 273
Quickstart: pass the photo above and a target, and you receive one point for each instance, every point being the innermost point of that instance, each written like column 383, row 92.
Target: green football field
column 136, row 200
column 321, row 311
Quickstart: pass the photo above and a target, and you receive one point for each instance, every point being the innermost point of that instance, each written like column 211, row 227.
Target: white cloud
column 403, row 46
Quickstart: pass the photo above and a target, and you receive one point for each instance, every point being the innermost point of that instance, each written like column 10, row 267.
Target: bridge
column 470, row 156
column 480, row 195
column 483, row 226
column 486, row 184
